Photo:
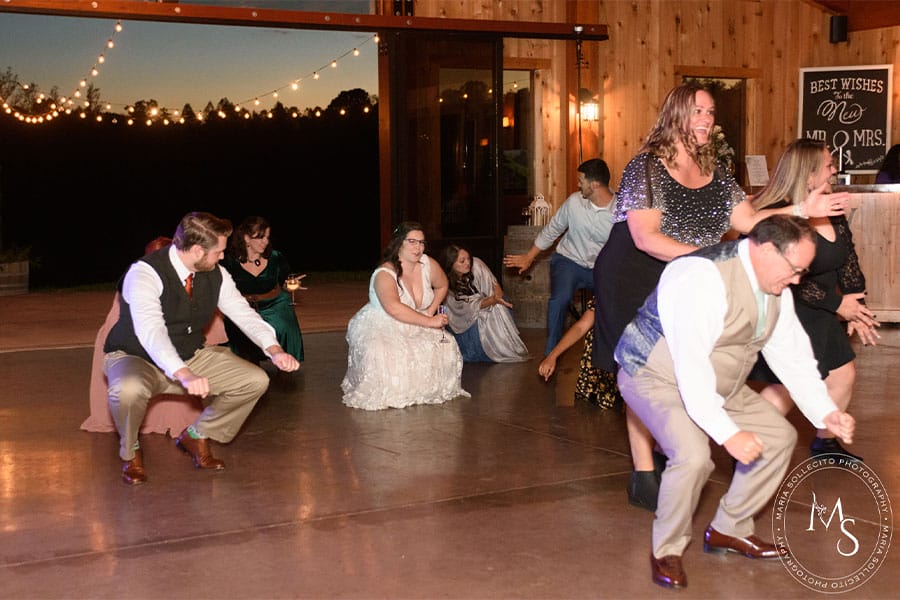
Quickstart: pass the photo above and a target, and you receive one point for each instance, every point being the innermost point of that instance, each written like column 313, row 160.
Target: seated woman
column 593, row 385
column 399, row 354
column 258, row 272
column 480, row 318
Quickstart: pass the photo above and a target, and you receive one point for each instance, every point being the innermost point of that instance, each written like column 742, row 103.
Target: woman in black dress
column 830, row 299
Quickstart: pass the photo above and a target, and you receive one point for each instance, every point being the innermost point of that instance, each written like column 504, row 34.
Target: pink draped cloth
column 166, row 412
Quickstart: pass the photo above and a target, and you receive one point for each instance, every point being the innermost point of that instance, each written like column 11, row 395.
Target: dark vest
column 185, row 317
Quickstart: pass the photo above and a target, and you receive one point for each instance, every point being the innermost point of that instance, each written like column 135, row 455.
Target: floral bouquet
column 724, row 152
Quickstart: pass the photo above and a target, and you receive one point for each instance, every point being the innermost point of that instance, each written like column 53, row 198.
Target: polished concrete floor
column 503, row 495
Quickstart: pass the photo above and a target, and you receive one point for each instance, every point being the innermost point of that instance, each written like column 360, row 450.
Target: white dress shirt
column 692, row 306
column 142, row 289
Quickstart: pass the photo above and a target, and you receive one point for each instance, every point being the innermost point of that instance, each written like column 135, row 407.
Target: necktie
column 760, row 311
column 189, row 285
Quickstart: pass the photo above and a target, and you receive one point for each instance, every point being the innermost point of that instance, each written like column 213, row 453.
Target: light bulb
column 316, row 75
column 356, row 52
column 101, row 59
column 110, row 44
column 94, row 72
column 334, row 64
column 295, row 86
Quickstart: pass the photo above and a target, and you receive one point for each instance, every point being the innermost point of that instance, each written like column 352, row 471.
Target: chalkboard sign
column 850, row 109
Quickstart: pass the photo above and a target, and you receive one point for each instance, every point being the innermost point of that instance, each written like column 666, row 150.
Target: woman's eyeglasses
column 415, row 242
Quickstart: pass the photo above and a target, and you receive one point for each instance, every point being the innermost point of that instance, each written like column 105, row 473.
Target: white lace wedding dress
column 392, row 364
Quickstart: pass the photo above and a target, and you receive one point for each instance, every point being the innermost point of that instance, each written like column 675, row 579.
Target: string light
column 155, row 112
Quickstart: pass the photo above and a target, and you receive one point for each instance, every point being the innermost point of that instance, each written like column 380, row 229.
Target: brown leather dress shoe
column 750, row 546
column 667, row 571
column 198, row 451
column 133, row 470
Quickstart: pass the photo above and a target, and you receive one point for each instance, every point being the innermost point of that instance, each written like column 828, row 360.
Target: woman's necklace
column 257, row 262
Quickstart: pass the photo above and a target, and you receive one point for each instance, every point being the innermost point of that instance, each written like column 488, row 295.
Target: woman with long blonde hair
column 831, row 293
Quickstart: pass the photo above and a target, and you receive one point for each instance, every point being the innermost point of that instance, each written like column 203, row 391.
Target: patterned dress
column 595, row 386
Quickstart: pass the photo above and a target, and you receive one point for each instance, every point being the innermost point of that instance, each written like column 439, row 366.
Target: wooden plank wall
column 650, row 40
column 772, row 38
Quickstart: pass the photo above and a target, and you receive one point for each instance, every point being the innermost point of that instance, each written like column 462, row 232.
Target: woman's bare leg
column 840, row 387
column 640, row 441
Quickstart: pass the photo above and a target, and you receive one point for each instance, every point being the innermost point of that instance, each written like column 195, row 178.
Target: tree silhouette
column 351, row 100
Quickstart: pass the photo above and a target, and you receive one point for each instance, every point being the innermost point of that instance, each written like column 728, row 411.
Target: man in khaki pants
column 684, row 361
column 157, row 345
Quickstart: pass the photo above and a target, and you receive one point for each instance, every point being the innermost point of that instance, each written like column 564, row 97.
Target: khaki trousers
column 659, row 405
column 234, row 387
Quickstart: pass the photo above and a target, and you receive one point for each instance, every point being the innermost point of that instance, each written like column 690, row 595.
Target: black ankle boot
column 643, row 490
column 822, row 446
column 659, row 464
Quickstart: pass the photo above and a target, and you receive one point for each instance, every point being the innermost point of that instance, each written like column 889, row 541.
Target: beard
column 205, row 264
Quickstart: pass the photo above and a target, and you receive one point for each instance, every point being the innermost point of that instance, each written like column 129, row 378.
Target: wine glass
column 292, row 283
column 443, row 310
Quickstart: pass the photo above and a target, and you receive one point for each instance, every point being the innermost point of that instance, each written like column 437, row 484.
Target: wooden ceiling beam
column 185, row 12
column 863, row 14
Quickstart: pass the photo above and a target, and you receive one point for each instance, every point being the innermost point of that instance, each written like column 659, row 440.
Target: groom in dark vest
column 684, row 361
column 157, row 345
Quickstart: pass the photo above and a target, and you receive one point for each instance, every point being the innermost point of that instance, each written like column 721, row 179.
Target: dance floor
column 502, row 495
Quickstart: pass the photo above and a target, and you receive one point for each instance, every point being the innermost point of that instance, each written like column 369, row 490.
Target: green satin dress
column 277, row 312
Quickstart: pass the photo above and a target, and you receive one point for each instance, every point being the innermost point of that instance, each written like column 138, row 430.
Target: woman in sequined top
column 673, row 198
column 830, row 299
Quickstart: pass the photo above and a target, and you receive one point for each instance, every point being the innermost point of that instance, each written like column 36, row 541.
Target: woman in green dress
column 259, row 272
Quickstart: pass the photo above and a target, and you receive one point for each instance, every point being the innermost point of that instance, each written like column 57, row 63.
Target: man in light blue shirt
column 584, row 221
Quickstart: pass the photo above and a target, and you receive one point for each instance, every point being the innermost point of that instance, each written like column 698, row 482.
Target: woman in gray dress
column 480, row 316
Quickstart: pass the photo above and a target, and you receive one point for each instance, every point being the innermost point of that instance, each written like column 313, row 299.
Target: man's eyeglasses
column 415, row 242
column 797, row 270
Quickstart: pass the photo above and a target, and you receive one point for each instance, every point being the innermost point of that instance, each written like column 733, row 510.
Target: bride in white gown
column 399, row 354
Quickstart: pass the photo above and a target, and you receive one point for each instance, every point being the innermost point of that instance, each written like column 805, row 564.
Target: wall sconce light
column 589, row 109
